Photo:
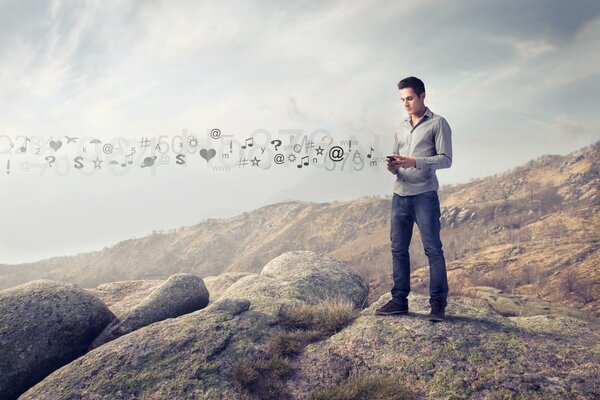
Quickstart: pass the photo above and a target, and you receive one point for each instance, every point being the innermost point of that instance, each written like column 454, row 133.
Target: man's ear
column 422, row 96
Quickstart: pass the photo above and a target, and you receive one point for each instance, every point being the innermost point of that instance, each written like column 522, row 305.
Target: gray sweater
column 430, row 143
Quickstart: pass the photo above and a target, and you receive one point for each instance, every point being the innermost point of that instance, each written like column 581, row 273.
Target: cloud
column 514, row 79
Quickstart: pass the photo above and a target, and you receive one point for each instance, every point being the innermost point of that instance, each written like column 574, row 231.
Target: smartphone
column 390, row 158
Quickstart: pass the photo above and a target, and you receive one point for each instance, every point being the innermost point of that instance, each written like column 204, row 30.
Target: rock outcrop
column 217, row 285
column 516, row 305
column 301, row 277
column 474, row 354
column 179, row 295
column 44, row 325
column 194, row 356
column 122, row 296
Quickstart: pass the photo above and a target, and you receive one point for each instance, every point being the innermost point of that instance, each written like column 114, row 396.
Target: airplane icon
column 71, row 139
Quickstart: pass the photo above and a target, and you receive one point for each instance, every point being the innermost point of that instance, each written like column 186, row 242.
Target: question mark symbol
column 50, row 160
column 276, row 145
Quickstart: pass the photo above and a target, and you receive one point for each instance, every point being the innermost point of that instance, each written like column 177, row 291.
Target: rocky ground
column 476, row 353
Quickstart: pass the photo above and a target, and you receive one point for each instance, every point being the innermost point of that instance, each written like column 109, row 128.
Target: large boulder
column 217, row 285
column 44, row 325
column 474, row 354
column 180, row 294
column 122, row 296
column 300, row 277
column 195, row 355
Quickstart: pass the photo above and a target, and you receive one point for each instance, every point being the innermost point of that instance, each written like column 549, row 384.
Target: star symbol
column 255, row 161
column 320, row 150
column 97, row 163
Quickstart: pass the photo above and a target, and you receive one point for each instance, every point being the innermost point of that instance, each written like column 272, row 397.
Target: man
column 422, row 144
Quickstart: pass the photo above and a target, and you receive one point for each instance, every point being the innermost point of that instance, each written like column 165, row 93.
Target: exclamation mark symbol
column 8, row 167
column 230, row 146
column 350, row 146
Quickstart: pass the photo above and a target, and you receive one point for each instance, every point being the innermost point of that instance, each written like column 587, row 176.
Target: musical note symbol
column 126, row 158
column 371, row 152
column 23, row 149
column 248, row 145
column 305, row 162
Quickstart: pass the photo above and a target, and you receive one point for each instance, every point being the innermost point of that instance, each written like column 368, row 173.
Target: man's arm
column 443, row 147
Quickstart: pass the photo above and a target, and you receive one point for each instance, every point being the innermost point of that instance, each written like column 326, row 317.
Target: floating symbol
column 96, row 141
column 180, row 159
column 124, row 164
column 97, row 162
column 55, row 145
column 8, row 167
column 50, row 160
column 243, row 162
column 248, row 145
column 319, row 150
column 255, row 161
column 193, row 142
column 371, row 152
column 292, row 157
column 305, row 162
column 148, row 161
column 336, row 153
column 78, row 164
column 230, row 146
column 279, row 158
column 144, row 143
column 107, row 148
column 23, row 149
column 71, row 139
column 215, row 133
column 276, row 145
column 207, row 154
column 129, row 155
column 164, row 159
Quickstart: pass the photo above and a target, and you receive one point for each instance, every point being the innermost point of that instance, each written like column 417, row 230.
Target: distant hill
column 531, row 230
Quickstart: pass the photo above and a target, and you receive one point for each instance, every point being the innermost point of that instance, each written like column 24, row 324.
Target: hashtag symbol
column 309, row 145
column 243, row 162
column 144, row 143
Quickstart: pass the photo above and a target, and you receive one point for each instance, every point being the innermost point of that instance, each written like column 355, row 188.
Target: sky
column 515, row 80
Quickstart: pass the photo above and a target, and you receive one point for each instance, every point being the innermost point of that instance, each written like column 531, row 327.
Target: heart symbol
column 207, row 154
column 55, row 145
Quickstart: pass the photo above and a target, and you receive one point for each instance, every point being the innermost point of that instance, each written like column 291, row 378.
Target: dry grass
column 264, row 375
column 327, row 317
column 366, row 387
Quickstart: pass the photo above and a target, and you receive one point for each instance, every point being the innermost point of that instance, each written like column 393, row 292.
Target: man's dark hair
column 412, row 82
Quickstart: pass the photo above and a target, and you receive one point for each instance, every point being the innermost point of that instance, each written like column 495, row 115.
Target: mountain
column 530, row 231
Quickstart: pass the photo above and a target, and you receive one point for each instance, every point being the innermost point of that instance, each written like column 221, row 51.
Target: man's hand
column 392, row 165
column 400, row 161
column 406, row 162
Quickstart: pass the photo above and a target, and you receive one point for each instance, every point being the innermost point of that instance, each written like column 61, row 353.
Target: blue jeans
column 424, row 209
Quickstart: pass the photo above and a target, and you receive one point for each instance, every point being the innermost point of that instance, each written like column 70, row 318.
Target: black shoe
column 437, row 312
column 392, row 308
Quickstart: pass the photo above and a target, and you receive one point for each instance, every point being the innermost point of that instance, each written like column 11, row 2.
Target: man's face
column 413, row 104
